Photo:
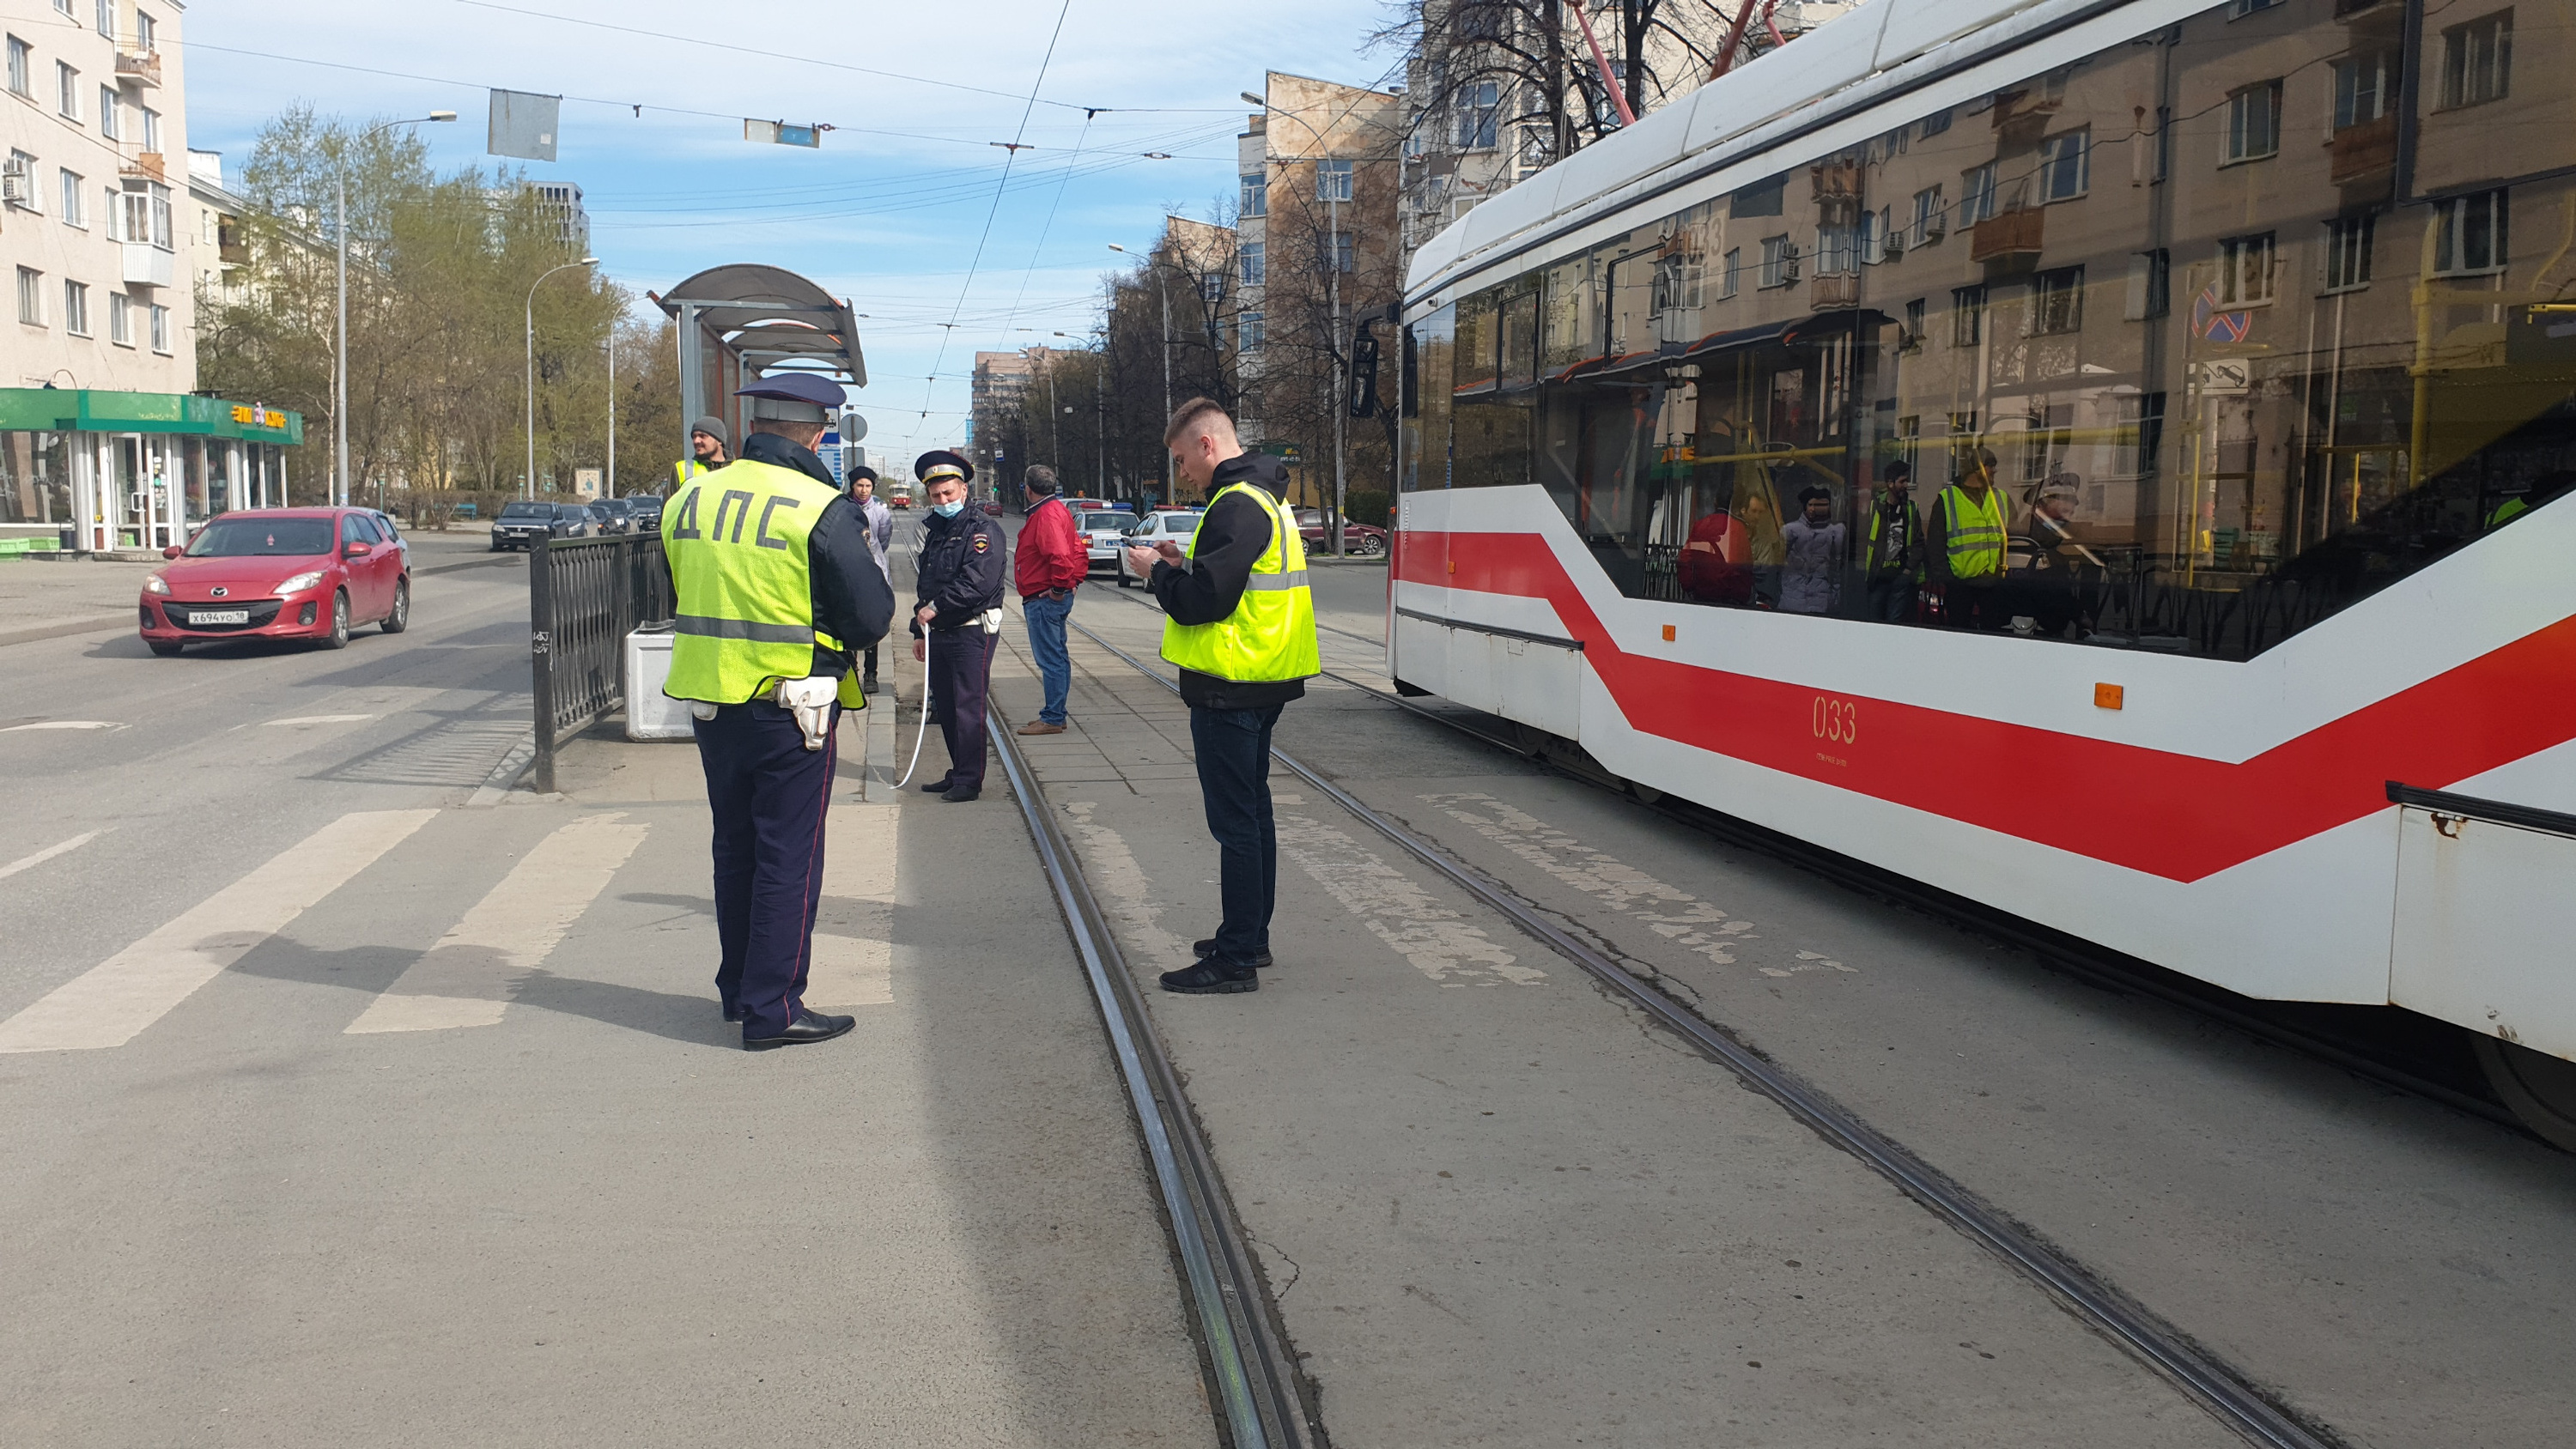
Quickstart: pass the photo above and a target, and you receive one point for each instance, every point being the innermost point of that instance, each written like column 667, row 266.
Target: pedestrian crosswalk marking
column 853, row 961
column 107, row 1005
column 30, row 862
column 474, row 972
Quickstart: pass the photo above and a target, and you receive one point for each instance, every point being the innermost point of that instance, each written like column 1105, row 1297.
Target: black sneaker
column 1212, row 978
column 1205, row 949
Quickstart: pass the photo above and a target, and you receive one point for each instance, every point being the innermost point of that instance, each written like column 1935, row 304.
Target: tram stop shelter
column 744, row 321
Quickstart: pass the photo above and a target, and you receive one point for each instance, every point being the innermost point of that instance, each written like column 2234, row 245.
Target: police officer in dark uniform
column 965, row 561
column 775, row 588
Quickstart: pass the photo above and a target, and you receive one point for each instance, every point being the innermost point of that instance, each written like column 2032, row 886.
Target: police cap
column 939, row 463
column 794, row 397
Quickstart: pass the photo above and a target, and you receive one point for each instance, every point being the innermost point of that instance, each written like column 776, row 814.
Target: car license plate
column 219, row 616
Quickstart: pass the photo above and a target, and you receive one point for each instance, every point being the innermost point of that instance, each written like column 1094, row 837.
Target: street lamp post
column 1332, row 198
column 340, row 347
column 529, row 485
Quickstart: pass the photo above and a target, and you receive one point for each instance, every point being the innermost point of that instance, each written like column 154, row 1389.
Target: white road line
column 1437, row 940
column 65, row 724
column 315, row 719
column 1112, row 868
column 853, row 961
column 474, row 972
column 108, row 1004
column 29, row 862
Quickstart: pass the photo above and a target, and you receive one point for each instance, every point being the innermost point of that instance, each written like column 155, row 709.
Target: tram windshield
column 2223, row 330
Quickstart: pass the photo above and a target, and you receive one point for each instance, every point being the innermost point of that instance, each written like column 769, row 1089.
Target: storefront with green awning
column 134, row 470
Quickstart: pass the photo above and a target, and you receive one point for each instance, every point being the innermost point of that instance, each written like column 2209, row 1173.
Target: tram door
column 2485, row 931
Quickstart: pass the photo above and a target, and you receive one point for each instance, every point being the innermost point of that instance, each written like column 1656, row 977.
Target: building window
column 147, row 216
column 2239, row 9
column 120, row 319
column 146, row 34
column 1248, row 264
column 21, row 169
column 1967, row 316
column 1779, row 261
column 161, row 329
column 1480, row 109
column 65, row 6
column 1914, row 323
column 2348, row 253
column 1730, row 277
column 1837, row 251
column 73, row 213
column 1252, row 330
column 21, row 61
column 151, row 130
column 1345, row 251
column 2150, row 285
column 2245, row 271
column 2361, row 90
column 2477, row 60
column 1212, row 286
column 2066, row 166
column 1256, row 196
column 76, row 308
column 1332, row 180
column 67, row 91
column 1977, row 195
column 111, row 119
column 31, row 296
column 2469, row 235
column 107, row 18
column 1933, row 125
column 2254, row 122
column 2057, row 302
column 1931, row 216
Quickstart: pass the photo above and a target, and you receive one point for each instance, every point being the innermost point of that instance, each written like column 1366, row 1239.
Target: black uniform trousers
column 768, row 794
column 961, row 664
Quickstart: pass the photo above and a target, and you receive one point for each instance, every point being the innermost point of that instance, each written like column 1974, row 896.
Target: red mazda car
column 281, row 573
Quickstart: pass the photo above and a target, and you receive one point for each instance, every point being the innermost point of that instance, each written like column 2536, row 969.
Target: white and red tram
column 2268, row 306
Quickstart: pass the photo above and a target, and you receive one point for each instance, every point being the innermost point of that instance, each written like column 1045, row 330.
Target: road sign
column 779, row 133
column 1284, row 452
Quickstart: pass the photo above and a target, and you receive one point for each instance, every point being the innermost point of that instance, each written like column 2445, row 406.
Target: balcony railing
column 141, row 67
column 149, row 266
column 2006, row 236
column 1842, row 289
column 144, row 163
column 2364, row 152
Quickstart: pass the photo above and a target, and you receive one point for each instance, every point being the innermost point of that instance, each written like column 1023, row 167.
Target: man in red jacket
column 1052, row 563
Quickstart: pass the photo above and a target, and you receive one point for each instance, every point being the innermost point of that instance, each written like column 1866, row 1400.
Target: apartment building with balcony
column 101, row 439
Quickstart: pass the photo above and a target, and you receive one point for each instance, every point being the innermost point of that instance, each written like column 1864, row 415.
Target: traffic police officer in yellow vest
column 1240, row 623
column 706, row 445
column 775, row 589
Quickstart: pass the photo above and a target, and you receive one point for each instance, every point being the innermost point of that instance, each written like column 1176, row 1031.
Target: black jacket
column 1231, row 539
column 965, row 567
column 851, row 600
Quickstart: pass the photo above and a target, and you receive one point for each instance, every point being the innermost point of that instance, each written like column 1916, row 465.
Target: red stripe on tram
column 2173, row 815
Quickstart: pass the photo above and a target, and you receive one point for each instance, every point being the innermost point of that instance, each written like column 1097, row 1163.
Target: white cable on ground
column 924, row 731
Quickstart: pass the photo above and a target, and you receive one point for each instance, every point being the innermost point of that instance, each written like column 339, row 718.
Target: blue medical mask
column 949, row 510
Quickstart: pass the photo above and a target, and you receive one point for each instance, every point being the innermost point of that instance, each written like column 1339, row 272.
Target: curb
column 506, row 775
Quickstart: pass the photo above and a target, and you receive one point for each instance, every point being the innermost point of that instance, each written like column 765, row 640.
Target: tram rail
column 2218, row 1387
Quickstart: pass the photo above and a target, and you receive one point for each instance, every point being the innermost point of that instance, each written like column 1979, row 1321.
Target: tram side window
column 2192, row 407
column 1430, row 386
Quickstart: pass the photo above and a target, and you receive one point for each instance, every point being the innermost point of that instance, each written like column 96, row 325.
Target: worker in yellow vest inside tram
column 1964, row 548
column 775, row 589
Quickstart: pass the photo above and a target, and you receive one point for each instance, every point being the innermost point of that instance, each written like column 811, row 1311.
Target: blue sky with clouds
column 889, row 211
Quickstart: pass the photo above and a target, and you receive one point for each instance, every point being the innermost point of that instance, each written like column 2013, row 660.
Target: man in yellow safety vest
column 707, row 442
column 1240, row 623
column 774, row 588
column 1964, row 564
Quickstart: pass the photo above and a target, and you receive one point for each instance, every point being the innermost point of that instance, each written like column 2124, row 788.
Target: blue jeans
column 1046, row 640
column 1233, row 749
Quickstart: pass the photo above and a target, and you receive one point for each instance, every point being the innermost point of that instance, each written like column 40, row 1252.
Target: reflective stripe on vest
column 688, row 468
column 736, row 540
column 1976, row 534
column 1270, row 636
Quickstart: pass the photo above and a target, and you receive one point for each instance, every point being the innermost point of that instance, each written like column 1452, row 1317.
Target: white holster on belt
column 991, row 619
column 810, row 700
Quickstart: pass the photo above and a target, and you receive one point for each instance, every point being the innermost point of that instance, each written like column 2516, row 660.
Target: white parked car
column 1103, row 534
column 1176, row 526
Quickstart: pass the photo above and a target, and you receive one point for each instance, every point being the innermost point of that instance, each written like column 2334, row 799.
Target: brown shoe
column 1041, row 727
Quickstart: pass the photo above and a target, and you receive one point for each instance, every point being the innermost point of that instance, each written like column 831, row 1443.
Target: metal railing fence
column 584, row 597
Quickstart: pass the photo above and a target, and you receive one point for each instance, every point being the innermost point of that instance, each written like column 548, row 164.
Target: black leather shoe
column 1212, row 978
column 959, row 794
column 809, row 1026
column 936, row 787
column 1205, row 949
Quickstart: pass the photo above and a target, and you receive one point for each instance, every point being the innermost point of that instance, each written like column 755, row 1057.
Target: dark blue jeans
column 768, row 794
column 1233, row 748
column 1046, row 641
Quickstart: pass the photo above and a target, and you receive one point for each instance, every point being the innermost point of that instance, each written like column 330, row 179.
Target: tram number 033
column 1837, row 720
